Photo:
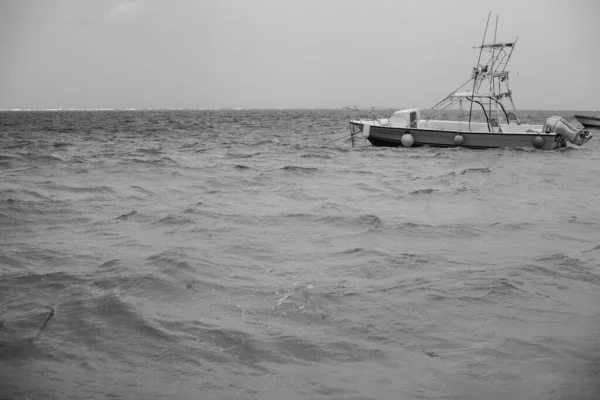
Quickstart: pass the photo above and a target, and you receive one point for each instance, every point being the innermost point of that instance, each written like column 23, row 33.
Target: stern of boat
column 566, row 130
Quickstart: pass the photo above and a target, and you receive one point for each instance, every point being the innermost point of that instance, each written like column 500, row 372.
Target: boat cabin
column 408, row 118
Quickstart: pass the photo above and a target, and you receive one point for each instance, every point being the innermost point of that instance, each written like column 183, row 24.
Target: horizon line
column 239, row 109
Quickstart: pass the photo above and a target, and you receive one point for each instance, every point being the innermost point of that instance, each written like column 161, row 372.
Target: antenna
column 477, row 68
column 492, row 81
column 494, row 48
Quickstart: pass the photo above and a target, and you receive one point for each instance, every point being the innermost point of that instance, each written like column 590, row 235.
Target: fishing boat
column 482, row 113
column 588, row 122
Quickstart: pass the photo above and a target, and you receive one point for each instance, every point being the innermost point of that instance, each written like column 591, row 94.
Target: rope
column 345, row 137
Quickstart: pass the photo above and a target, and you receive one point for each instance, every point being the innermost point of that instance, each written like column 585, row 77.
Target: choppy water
column 246, row 254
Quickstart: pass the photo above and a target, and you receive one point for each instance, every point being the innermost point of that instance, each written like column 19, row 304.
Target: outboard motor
column 562, row 127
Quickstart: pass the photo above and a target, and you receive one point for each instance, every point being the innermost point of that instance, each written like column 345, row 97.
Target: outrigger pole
column 477, row 68
column 508, row 84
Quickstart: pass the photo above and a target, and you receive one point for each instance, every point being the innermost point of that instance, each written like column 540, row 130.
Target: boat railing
column 376, row 115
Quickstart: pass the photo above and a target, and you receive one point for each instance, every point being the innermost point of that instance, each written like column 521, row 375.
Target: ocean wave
column 236, row 155
column 455, row 231
column 115, row 314
column 29, row 210
column 150, row 151
column 10, row 264
column 423, row 191
column 299, row 170
column 469, row 170
column 517, row 226
column 362, row 252
column 566, row 267
column 593, row 249
column 239, row 347
column 189, row 273
column 43, row 282
column 17, row 144
column 142, row 189
column 356, row 172
column 322, row 156
column 79, row 189
column 328, row 207
column 127, row 215
column 62, row 144
column 474, row 170
column 298, row 349
column 174, row 219
column 32, row 195
column 267, row 142
column 42, row 158
column 22, row 326
column 161, row 162
column 497, row 288
column 115, row 264
column 405, row 286
column 363, row 221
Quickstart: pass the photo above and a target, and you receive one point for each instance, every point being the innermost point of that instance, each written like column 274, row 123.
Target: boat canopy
column 471, row 94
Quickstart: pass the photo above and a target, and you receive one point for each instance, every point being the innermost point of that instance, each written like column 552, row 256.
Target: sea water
column 255, row 254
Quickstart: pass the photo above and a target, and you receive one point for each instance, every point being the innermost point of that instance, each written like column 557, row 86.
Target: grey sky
column 278, row 53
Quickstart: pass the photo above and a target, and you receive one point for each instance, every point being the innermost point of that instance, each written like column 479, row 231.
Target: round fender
column 407, row 140
column 538, row 142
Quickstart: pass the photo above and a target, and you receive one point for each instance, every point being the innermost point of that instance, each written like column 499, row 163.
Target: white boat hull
column 392, row 137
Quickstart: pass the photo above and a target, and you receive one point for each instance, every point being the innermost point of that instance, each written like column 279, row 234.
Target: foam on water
column 253, row 254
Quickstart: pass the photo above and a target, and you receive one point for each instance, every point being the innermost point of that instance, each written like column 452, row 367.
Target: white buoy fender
column 459, row 139
column 366, row 130
column 538, row 142
column 407, row 140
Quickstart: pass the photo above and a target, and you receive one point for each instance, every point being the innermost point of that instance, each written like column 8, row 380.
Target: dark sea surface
column 255, row 254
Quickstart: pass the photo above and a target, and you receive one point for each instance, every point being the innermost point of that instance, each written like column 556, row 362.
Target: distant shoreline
column 226, row 109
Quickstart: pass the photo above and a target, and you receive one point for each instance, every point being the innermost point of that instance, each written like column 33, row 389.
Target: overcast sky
column 288, row 53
